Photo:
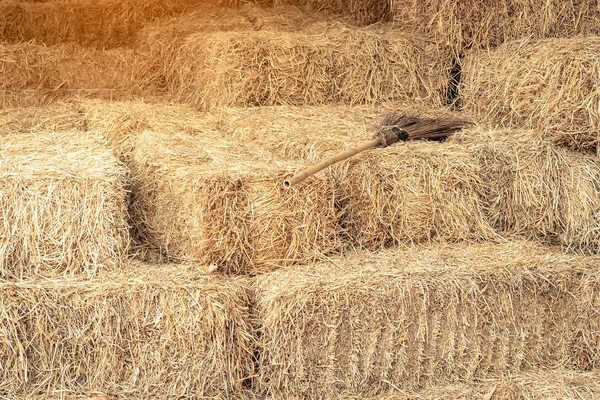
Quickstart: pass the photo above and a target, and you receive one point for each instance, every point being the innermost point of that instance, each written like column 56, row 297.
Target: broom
column 394, row 128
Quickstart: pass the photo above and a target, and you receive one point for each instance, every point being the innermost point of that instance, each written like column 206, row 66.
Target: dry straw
column 63, row 116
column 532, row 385
column 411, row 320
column 37, row 75
column 151, row 332
column 537, row 189
column 332, row 64
column 63, row 205
column 412, row 193
column 201, row 198
column 550, row 85
column 90, row 23
column 475, row 24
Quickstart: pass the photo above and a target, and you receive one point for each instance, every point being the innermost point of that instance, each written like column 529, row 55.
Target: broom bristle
column 423, row 128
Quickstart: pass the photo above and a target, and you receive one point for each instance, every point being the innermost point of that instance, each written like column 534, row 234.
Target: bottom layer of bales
column 166, row 331
column 410, row 320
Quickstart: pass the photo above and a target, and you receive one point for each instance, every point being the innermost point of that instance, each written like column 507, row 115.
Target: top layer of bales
column 333, row 64
column 477, row 24
column 550, row 85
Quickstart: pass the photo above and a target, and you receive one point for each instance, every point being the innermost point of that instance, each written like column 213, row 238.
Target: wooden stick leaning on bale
column 394, row 128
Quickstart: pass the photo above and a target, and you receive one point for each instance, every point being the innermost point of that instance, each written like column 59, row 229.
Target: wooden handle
column 301, row 176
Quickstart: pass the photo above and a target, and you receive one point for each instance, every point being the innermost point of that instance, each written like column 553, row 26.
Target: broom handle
column 301, row 176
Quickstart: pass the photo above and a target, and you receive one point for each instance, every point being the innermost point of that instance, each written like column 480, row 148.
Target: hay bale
column 411, row 320
column 412, row 193
column 63, row 203
column 41, row 74
column 538, row 190
column 549, row 85
column 467, row 24
column 334, row 64
column 150, row 332
column 105, row 24
column 203, row 199
column 63, row 116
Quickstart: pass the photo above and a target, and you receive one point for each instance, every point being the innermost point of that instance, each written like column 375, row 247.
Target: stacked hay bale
column 104, row 24
column 35, row 74
column 63, row 203
column 151, row 331
column 537, row 189
column 59, row 117
column 467, row 24
column 203, row 199
column 335, row 64
column 408, row 320
column 549, row 85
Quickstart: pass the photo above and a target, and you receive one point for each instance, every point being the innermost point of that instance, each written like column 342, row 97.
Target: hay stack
column 549, row 85
column 362, row 12
column 538, row 190
column 152, row 332
column 534, row 385
column 203, row 199
column 63, row 116
column 411, row 320
column 105, row 24
column 41, row 74
column 335, row 64
column 413, row 193
column 476, row 24
column 63, row 205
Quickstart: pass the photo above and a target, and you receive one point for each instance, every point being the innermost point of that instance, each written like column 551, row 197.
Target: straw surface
column 411, row 320
column 538, row 190
column 476, row 24
column 204, row 199
column 412, row 193
column 335, row 64
column 63, row 116
column 151, row 332
column 63, row 205
column 549, row 85
column 37, row 75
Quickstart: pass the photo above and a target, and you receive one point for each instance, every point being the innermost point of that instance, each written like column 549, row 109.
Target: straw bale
column 476, row 24
column 65, row 116
column 412, row 320
column 101, row 24
column 331, row 64
column 152, row 331
column 63, row 203
column 38, row 74
column 412, row 193
column 549, row 85
column 536, row 189
column 203, row 199
column 361, row 12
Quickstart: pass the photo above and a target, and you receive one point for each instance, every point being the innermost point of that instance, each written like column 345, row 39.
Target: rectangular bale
column 412, row 193
column 537, row 189
column 63, row 206
column 203, row 199
column 548, row 85
column 413, row 320
column 473, row 24
column 36, row 75
column 150, row 332
column 318, row 65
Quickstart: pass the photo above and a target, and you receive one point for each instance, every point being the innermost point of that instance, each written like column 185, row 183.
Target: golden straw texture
column 333, row 64
column 550, row 85
column 537, row 189
column 412, row 320
column 204, row 199
column 153, row 331
column 468, row 24
column 63, row 203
